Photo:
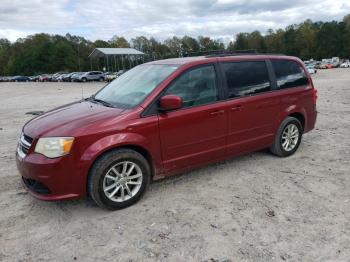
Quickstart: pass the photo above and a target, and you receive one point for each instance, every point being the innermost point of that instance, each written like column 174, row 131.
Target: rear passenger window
column 289, row 74
column 246, row 78
column 196, row 87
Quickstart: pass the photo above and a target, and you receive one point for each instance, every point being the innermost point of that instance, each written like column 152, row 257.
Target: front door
column 196, row 133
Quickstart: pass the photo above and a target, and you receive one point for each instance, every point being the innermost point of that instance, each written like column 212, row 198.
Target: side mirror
column 170, row 102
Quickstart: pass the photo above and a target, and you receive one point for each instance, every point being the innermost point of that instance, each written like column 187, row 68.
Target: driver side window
column 196, row 87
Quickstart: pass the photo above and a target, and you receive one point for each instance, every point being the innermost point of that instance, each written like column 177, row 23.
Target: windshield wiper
column 102, row 102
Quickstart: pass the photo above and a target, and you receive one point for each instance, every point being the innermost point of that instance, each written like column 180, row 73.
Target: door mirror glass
column 170, row 102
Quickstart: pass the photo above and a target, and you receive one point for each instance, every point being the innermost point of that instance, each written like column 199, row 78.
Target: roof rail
column 240, row 53
column 213, row 53
column 233, row 53
column 223, row 53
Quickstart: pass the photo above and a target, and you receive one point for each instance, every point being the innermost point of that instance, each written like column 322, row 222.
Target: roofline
column 210, row 58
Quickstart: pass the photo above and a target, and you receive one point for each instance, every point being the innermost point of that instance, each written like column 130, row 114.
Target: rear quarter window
column 289, row 74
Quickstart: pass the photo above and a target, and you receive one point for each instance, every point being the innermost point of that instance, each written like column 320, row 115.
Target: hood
column 66, row 120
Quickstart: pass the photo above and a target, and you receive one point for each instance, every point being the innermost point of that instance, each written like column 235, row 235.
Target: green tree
column 241, row 42
column 189, row 45
column 44, row 53
column 120, row 42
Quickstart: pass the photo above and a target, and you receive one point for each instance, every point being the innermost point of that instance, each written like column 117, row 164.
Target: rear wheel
column 288, row 137
column 118, row 179
column 84, row 79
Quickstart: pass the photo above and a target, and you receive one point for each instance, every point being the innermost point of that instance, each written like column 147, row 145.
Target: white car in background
column 311, row 70
column 345, row 64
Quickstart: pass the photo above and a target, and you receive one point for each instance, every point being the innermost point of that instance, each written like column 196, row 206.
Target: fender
column 117, row 140
column 107, row 143
column 288, row 111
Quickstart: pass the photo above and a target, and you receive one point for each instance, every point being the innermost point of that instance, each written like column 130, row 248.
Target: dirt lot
column 253, row 208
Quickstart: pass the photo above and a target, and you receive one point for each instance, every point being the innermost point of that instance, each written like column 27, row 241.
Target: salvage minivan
column 163, row 118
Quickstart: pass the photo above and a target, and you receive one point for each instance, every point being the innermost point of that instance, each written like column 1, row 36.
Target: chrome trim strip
column 20, row 153
column 24, row 142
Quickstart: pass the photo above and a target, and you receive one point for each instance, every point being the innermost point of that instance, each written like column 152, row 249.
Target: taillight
column 314, row 95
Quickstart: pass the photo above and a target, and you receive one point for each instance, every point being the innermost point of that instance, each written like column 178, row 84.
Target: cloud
column 12, row 35
column 101, row 19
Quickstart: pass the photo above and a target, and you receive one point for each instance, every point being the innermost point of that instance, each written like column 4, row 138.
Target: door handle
column 219, row 112
column 236, row 108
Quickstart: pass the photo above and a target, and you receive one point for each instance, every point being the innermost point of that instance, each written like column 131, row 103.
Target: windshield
column 132, row 87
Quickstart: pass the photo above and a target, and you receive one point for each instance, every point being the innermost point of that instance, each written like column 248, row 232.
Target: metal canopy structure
column 113, row 57
column 101, row 52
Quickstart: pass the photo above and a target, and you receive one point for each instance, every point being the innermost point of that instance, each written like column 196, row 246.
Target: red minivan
column 163, row 118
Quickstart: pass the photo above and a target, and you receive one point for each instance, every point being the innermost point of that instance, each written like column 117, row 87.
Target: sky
column 102, row 19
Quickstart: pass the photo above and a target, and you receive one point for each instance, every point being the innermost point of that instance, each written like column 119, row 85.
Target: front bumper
column 51, row 179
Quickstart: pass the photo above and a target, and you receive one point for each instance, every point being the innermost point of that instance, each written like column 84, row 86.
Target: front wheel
column 118, row 179
column 288, row 137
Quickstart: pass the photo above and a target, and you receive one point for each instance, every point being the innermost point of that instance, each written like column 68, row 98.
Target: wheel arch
column 135, row 147
column 131, row 141
column 293, row 111
column 300, row 117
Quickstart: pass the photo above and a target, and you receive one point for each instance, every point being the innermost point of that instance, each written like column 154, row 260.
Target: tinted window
column 289, row 74
column 196, row 87
column 246, row 78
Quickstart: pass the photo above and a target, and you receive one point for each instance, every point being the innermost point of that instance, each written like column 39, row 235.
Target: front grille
column 24, row 149
column 27, row 138
column 24, row 145
column 36, row 186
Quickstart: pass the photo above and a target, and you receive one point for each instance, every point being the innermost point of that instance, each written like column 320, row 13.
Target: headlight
column 54, row 146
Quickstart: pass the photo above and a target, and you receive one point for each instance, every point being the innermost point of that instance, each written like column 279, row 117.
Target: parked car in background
column 67, row 77
column 76, row 77
column 345, row 64
column 20, row 79
column 163, row 118
column 120, row 72
column 57, row 76
column 110, row 77
column 60, row 78
column 311, row 69
column 34, row 78
column 45, row 78
column 323, row 66
column 91, row 76
column 335, row 64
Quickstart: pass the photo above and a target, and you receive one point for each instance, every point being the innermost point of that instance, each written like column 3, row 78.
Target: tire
column 84, row 79
column 280, row 146
column 102, row 79
column 99, row 179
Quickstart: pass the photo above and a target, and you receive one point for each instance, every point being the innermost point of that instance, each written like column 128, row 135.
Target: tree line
column 44, row 53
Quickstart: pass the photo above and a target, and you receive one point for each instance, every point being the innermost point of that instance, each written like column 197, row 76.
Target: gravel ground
column 257, row 207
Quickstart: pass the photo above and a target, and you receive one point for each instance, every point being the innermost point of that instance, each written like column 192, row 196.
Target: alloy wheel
column 122, row 181
column 290, row 137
